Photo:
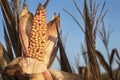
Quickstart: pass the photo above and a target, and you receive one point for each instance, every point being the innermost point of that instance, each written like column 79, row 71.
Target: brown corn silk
column 37, row 41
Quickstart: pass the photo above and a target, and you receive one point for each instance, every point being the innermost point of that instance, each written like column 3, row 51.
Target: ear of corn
column 37, row 42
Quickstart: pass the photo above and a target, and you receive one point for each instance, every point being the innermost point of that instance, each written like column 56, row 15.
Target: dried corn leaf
column 25, row 66
column 8, row 45
column 78, row 9
column 52, row 40
column 104, row 64
column 61, row 75
column 10, row 24
column 7, row 11
column 112, row 56
column 25, row 24
column 53, row 55
column 65, row 65
column 46, row 3
column 117, row 74
column 102, row 61
column 4, row 59
column 74, row 19
column 90, row 43
column 117, row 54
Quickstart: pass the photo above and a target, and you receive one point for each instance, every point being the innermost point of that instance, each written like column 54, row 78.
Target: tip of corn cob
column 40, row 7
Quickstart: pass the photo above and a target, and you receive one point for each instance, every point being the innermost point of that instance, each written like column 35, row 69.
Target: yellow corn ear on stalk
column 37, row 42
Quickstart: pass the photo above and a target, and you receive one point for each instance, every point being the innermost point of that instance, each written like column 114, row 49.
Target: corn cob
column 37, row 42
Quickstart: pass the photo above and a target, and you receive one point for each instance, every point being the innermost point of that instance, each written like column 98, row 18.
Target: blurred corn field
column 24, row 33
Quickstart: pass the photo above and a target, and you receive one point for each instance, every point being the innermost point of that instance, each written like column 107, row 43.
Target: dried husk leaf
column 61, row 75
column 52, row 40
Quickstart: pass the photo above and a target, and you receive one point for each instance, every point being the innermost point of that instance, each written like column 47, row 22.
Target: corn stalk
column 105, row 36
column 92, row 20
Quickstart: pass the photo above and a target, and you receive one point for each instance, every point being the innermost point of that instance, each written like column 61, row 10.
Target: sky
column 70, row 29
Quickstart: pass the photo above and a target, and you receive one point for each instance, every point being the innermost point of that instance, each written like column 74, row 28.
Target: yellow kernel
column 40, row 58
column 30, row 55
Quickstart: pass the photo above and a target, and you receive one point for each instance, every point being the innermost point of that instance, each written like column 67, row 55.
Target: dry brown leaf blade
column 52, row 40
column 46, row 3
column 3, row 62
column 65, row 65
column 90, row 43
column 102, row 60
column 10, row 25
column 25, row 24
column 117, row 73
column 104, row 64
column 112, row 56
column 53, row 55
column 7, row 11
column 117, row 54
column 78, row 9
column 74, row 19
column 8, row 45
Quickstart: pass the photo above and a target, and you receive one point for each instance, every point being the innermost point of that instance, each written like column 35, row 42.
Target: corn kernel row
column 37, row 42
